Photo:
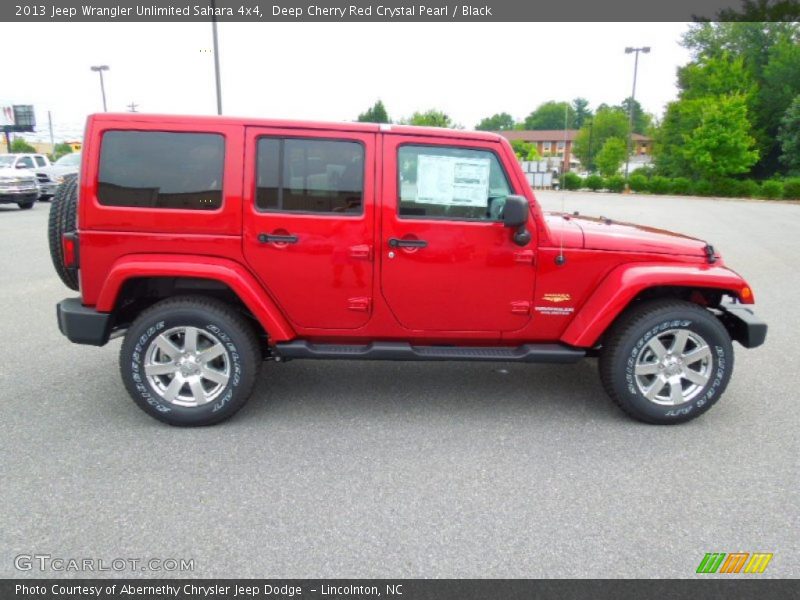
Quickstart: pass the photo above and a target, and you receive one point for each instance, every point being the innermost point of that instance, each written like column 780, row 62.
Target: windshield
column 6, row 160
column 69, row 160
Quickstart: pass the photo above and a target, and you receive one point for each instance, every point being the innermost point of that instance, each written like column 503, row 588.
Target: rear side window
column 450, row 183
column 152, row 169
column 40, row 161
column 305, row 175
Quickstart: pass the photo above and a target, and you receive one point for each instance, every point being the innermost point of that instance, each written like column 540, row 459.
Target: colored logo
column 556, row 297
column 736, row 562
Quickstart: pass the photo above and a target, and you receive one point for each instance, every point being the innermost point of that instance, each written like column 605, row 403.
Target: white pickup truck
column 18, row 181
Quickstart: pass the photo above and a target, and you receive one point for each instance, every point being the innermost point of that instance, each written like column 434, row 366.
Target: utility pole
column 629, row 50
column 216, row 56
column 50, row 126
column 99, row 69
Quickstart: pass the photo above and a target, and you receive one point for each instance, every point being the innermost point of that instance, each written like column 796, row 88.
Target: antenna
column 560, row 259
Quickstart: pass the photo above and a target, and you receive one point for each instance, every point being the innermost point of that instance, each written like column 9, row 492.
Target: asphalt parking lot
column 341, row 469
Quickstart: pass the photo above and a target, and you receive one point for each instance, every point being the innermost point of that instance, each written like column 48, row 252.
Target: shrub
column 702, row 187
column 593, row 182
column 638, row 182
column 615, row 183
column 659, row 185
column 772, row 189
column 791, row 188
column 680, row 186
column 725, row 187
column 748, row 189
column 572, row 181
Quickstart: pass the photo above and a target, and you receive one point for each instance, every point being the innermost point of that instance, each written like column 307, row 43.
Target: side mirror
column 21, row 166
column 515, row 211
column 515, row 214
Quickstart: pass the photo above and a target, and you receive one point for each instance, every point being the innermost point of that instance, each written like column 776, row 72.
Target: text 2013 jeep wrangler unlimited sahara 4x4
column 217, row 243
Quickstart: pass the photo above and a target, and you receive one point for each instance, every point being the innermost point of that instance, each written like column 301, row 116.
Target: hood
column 55, row 170
column 606, row 234
column 17, row 173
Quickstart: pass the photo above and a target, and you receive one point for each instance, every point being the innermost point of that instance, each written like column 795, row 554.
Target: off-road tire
column 635, row 329
column 62, row 219
column 209, row 316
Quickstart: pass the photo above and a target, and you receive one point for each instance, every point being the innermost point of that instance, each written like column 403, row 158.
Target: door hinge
column 363, row 251
column 524, row 257
column 359, row 304
column 521, row 307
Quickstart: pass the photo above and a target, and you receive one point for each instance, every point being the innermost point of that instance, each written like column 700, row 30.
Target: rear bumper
column 82, row 324
column 743, row 325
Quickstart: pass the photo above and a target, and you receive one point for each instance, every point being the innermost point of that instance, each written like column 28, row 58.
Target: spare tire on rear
column 63, row 212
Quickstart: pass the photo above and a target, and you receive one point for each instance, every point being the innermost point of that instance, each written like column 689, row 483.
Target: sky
column 333, row 71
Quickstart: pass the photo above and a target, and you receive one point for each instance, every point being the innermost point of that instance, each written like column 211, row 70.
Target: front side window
column 455, row 183
column 154, row 169
column 309, row 175
column 25, row 162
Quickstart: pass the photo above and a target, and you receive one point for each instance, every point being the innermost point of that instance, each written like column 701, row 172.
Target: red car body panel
column 471, row 285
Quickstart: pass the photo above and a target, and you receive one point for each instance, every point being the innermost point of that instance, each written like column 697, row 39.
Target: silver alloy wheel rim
column 187, row 366
column 673, row 367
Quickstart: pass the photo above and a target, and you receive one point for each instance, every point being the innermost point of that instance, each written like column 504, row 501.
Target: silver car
column 52, row 176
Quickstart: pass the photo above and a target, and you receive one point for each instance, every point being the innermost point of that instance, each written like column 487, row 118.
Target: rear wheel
column 666, row 361
column 190, row 361
column 63, row 219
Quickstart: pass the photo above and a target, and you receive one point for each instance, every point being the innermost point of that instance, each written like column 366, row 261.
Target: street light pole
column 629, row 50
column 99, row 70
column 216, row 56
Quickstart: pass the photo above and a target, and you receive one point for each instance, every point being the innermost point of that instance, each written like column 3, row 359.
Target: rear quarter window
column 153, row 169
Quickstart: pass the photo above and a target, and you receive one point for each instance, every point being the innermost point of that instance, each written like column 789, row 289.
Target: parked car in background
column 52, row 176
column 24, row 161
column 18, row 186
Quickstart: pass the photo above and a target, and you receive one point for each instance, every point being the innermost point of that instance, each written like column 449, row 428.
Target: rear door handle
column 272, row 238
column 395, row 243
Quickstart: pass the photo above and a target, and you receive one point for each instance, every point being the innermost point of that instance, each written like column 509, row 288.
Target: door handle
column 395, row 243
column 272, row 238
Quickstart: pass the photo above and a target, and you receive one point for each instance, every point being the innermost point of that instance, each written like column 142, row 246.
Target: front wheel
column 666, row 361
column 25, row 205
column 190, row 361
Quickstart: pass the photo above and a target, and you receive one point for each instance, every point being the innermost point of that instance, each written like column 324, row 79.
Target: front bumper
column 82, row 324
column 48, row 189
column 743, row 325
column 21, row 196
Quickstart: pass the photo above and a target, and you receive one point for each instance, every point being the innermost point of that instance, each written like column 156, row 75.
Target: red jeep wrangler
column 215, row 243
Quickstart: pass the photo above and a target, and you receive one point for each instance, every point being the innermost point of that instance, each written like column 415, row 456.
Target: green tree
column 582, row 112
column 60, row 150
column 681, row 118
column 431, row 118
column 525, row 150
column 497, row 122
column 607, row 122
column 721, row 145
column 789, row 137
column 611, row 156
column 550, row 115
column 20, row 146
column 641, row 120
column 375, row 114
column 769, row 52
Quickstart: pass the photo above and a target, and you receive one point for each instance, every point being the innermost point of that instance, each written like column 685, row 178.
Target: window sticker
column 453, row 180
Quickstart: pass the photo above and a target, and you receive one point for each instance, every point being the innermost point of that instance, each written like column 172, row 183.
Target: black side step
column 529, row 353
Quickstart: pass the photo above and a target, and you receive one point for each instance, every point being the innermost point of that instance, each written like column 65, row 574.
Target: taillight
column 69, row 245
